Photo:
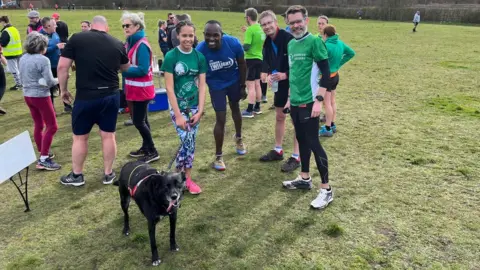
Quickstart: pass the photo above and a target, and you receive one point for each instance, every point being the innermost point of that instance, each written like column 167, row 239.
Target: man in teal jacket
column 338, row 54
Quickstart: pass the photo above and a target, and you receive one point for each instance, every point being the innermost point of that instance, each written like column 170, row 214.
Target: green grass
column 404, row 166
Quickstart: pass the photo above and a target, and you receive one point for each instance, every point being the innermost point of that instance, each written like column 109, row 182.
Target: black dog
column 156, row 194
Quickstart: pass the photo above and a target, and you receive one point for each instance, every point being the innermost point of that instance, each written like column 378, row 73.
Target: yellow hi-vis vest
column 14, row 47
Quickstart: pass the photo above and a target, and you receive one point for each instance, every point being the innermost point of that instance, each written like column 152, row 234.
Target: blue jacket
column 53, row 52
column 143, row 58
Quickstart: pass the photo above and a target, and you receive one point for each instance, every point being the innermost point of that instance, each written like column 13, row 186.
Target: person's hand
column 181, row 122
column 243, row 28
column 67, row 97
column 243, row 92
column 286, row 108
column 61, row 46
column 316, row 109
column 279, row 76
column 269, row 80
column 195, row 118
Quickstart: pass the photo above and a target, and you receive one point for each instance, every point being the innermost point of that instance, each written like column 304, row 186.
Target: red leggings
column 43, row 115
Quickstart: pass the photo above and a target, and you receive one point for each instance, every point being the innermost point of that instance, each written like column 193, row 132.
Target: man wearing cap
column 12, row 49
column 62, row 28
column 35, row 23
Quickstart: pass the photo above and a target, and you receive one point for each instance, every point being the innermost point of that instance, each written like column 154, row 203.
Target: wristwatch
column 319, row 98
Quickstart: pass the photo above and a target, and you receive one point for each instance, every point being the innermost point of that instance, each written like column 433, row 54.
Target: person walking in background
column 162, row 37
column 85, row 26
column 306, row 99
column 3, row 80
column 53, row 54
column 338, row 54
column 184, row 70
column 35, row 23
column 34, row 68
column 416, row 20
column 138, row 83
column 275, row 59
column 12, row 49
column 253, row 45
column 62, row 28
column 98, row 58
column 56, row 6
column 226, row 75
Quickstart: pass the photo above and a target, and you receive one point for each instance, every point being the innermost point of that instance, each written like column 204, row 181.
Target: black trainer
column 108, row 178
column 139, row 153
column 272, row 155
column 71, row 180
column 150, row 156
column 15, row 87
column 290, row 165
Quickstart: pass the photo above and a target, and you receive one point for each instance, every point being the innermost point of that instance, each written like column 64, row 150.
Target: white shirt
column 416, row 18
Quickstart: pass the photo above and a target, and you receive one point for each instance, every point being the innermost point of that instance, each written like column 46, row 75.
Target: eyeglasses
column 126, row 25
column 171, row 18
column 295, row 22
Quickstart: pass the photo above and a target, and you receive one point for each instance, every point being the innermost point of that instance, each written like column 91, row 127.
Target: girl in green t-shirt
column 185, row 70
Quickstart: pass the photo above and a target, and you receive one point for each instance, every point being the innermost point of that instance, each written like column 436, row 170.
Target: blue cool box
column 160, row 102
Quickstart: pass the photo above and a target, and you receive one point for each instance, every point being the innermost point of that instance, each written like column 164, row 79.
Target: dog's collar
column 134, row 189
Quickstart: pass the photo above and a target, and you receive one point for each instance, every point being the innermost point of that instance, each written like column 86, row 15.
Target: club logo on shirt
column 217, row 65
column 181, row 68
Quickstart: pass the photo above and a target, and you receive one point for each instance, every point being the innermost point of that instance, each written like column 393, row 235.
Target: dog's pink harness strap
column 132, row 191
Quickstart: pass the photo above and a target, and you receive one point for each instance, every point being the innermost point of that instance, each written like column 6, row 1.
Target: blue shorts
column 102, row 111
column 219, row 97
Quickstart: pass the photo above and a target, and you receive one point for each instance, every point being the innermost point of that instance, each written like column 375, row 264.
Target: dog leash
column 188, row 114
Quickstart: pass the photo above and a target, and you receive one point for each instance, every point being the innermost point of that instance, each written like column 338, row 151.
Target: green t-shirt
column 254, row 36
column 302, row 55
column 185, row 68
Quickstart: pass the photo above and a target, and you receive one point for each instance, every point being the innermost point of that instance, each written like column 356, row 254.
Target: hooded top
column 338, row 53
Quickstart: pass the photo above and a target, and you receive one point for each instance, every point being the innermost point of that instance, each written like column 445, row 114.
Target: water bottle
column 274, row 83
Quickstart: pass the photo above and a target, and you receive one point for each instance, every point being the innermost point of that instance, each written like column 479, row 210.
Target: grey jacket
column 33, row 67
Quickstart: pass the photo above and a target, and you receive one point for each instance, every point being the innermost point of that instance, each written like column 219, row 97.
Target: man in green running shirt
column 253, row 46
column 305, row 52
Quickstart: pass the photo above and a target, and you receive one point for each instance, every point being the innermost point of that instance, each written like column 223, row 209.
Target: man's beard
column 300, row 34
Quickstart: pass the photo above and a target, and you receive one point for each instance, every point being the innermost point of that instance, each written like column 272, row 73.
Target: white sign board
column 15, row 155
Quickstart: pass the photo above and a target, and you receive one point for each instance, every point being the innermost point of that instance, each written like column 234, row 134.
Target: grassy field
column 404, row 166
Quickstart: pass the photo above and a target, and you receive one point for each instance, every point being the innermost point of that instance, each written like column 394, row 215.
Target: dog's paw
column 126, row 232
column 174, row 248
column 156, row 262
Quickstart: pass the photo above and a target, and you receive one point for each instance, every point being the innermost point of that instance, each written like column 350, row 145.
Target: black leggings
column 264, row 88
column 140, row 120
column 306, row 130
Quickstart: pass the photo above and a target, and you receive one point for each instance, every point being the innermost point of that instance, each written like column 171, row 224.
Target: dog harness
column 134, row 189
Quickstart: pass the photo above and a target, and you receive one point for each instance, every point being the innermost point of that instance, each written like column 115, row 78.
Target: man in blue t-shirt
column 227, row 71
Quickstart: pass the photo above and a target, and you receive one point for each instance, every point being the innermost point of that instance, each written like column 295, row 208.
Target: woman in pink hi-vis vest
column 138, row 83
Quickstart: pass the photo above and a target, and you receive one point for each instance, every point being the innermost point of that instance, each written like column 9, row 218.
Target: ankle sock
column 279, row 150
column 296, row 156
column 43, row 158
column 77, row 175
column 306, row 179
column 257, row 105
column 250, row 107
column 333, row 124
column 328, row 128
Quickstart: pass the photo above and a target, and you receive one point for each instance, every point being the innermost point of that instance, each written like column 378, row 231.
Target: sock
column 296, row 156
column 328, row 128
column 110, row 174
column 279, row 150
column 306, row 179
column 238, row 136
column 250, row 107
column 257, row 105
column 333, row 124
column 77, row 175
column 219, row 155
column 329, row 188
column 43, row 158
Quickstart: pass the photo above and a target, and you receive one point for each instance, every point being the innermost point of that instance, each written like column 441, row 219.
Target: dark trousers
column 140, row 120
column 306, row 130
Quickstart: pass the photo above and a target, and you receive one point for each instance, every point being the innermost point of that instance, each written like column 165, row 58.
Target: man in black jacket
column 62, row 28
column 275, row 63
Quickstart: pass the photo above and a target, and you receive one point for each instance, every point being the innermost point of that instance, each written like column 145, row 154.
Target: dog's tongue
column 171, row 205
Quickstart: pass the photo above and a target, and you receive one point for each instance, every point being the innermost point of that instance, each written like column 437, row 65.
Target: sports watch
column 319, row 98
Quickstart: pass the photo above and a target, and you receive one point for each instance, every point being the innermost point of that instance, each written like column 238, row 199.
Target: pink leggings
column 43, row 115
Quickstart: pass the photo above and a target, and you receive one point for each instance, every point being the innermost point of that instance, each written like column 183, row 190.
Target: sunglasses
column 171, row 18
column 126, row 25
